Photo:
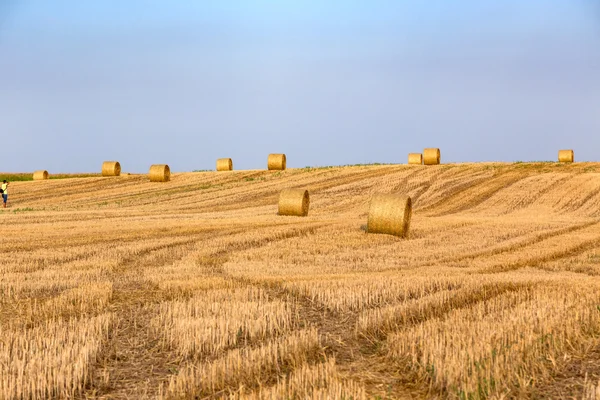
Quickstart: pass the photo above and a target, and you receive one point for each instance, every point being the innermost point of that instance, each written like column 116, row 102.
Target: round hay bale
column 159, row 173
column 431, row 156
column 415, row 158
column 276, row 162
column 294, row 202
column 567, row 156
column 224, row 164
column 40, row 175
column 111, row 168
column 390, row 214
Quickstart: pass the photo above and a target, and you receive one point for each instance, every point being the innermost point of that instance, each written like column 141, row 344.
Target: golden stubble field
column 115, row 288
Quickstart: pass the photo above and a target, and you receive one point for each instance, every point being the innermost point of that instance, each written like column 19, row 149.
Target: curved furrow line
column 63, row 189
column 520, row 245
column 582, row 199
column 134, row 358
column 441, row 189
column 552, row 249
column 473, row 196
column 181, row 188
column 204, row 199
column 532, row 196
column 266, row 193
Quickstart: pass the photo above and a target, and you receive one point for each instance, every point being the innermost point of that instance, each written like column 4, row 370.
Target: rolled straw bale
column 224, row 164
column 415, row 158
column 276, row 162
column 431, row 156
column 390, row 214
column 294, row 202
column 40, row 175
column 159, row 173
column 566, row 156
column 111, row 168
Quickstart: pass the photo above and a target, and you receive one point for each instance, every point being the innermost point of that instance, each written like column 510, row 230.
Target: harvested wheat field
column 117, row 288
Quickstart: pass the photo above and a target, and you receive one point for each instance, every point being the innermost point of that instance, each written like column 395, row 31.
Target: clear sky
column 326, row 82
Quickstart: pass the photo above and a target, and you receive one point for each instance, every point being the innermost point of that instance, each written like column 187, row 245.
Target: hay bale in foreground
column 415, row 158
column 224, row 164
column 276, row 162
column 390, row 214
column 159, row 173
column 567, row 156
column 40, row 175
column 111, row 168
column 294, row 202
column 431, row 156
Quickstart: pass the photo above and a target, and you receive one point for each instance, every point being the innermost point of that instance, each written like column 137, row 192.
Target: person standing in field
column 5, row 192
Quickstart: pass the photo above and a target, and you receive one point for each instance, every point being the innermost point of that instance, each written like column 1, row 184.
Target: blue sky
column 326, row 82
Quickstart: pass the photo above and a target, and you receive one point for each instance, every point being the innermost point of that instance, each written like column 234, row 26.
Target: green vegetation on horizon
column 19, row 177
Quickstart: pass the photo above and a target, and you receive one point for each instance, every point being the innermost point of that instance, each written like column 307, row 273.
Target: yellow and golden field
column 121, row 288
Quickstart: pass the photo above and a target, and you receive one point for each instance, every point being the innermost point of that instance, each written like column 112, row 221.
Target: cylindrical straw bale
column 40, row 175
column 566, row 156
column 276, row 162
column 224, row 164
column 294, row 202
column 111, row 168
column 431, row 156
column 415, row 158
column 159, row 173
column 390, row 214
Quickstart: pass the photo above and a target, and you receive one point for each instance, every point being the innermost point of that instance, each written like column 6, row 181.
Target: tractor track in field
column 133, row 364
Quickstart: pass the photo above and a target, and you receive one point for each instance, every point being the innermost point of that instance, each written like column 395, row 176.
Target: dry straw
column 390, row 214
column 111, row 168
column 294, row 202
column 224, row 164
column 415, row 158
column 431, row 156
column 159, row 173
column 566, row 156
column 40, row 175
column 276, row 162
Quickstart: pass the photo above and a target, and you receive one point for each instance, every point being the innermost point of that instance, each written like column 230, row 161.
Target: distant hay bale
column 415, row 158
column 294, row 202
column 40, row 175
column 159, row 173
column 567, row 156
column 224, row 164
column 431, row 156
column 390, row 214
column 276, row 162
column 111, row 168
